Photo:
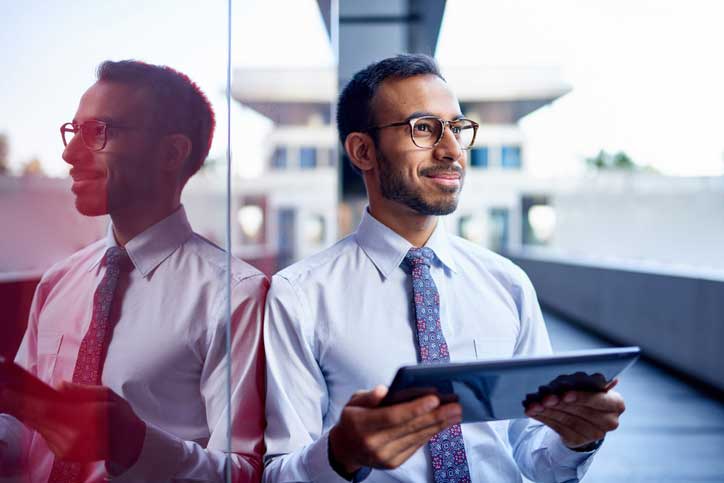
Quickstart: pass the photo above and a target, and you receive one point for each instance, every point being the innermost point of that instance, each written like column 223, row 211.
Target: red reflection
column 122, row 367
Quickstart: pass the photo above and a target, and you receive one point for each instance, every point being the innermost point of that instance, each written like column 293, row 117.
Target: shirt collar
column 150, row 248
column 386, row 249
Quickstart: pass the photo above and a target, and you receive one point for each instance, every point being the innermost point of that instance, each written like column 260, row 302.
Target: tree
column 33, row 168
column 619, row 161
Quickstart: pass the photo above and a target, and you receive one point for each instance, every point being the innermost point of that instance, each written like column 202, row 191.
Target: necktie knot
column 420, row 256
column 117, row 258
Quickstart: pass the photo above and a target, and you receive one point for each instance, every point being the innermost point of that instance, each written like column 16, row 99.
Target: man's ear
column 175, row 149
column 361, row 150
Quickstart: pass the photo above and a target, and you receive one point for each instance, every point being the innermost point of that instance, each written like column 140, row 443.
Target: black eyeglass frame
column 72, row 127
column 444, row 123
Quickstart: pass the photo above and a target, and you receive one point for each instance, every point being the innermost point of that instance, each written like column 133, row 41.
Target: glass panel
column 285, row 94
column 116, row 228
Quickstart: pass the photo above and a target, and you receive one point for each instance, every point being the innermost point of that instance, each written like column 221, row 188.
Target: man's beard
column 394, row 188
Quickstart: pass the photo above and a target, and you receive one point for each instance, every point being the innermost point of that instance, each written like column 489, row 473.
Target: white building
column 298, row 190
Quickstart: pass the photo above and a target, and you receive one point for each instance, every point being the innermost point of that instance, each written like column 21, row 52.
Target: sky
column 646, row 75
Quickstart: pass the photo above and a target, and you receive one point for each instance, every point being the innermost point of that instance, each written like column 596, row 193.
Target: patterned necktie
column 92, row 351
column 449, row 461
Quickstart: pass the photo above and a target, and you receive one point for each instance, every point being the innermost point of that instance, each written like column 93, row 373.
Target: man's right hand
column 385, row 437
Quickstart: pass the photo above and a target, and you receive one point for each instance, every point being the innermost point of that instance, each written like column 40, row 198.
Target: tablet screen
column 501, row 389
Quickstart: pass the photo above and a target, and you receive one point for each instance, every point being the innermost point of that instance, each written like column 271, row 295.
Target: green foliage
column 618, row 161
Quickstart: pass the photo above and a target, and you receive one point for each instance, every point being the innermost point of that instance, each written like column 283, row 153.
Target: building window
column 479, row 157
column 279, row 158
column 471, row 228
column 510, row 157
column 314, row 230
column 498, row 229
column 308, row 158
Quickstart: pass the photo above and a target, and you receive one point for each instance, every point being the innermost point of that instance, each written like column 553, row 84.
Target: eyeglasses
column 427, row 131
column 94, row 134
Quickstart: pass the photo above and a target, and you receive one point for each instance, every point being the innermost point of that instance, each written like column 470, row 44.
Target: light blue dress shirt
column 342, row 321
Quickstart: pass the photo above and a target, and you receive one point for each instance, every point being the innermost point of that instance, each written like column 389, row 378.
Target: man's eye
column 456, row 129
column 422, row 127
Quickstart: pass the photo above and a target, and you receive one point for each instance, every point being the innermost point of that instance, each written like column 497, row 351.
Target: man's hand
column 579, row 417
column 367, row 435
column 86, row 423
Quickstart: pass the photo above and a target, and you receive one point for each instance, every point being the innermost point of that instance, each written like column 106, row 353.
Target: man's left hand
column 86, row 423
column 579, row 417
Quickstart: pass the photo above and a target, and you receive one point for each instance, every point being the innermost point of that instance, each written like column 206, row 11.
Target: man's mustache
column 435, row 171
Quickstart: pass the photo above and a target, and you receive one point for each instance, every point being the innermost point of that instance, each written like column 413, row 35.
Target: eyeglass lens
column 93, row 134
column 427, row 131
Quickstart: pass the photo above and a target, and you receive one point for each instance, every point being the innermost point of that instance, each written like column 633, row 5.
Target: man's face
column 124, row 172
column 428, row 181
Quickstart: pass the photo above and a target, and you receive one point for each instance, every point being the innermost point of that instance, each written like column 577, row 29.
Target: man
column 398, row 291
column 132, row 329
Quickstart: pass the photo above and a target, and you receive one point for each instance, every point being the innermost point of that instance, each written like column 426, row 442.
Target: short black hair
column 177, row 104
column 354, row 109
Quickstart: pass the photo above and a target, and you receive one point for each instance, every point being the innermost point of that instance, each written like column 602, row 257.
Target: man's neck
column 129, row 223
column 412, row 226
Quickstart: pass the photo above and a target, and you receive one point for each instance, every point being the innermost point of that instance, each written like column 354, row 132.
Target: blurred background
column 598, row 168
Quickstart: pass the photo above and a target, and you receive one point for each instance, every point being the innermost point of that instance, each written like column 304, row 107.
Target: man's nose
column 448, row 149
column 75, row 150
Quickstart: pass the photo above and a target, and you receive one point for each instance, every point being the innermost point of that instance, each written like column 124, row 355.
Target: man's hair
column 354, row 109
column 176, row 104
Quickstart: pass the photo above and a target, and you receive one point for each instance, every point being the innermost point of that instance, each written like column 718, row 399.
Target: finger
column 569, row 436
column 436, row 420
column 72, row 392
column 399, row 449
column 368, row 398
column 611, row 385
column 387, row 417
column 26, row 408
column 605, row 421
column 575, row 423
column 424, row 433
column 610, row 401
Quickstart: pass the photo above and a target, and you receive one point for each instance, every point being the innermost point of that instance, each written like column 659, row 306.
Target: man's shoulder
column 319, row 265
column 473, row 256
column 215, row 258
column 80, row 260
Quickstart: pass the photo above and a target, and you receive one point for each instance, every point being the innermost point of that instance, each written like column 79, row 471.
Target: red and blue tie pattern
column 92, row 351
column 447, row 449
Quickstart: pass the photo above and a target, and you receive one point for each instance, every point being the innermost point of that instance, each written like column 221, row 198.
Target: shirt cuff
column 565, row 457
column 14, row 442
column 159, row 458
column 319, row 468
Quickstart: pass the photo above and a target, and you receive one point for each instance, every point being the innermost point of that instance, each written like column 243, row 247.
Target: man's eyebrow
column 425, row 113
column 105, row 119
column 419, row 114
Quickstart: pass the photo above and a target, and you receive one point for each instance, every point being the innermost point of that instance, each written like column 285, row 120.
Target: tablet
column 498, row 389
column 17, row 379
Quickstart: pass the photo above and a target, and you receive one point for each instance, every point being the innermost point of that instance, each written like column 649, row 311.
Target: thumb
column 368, row 399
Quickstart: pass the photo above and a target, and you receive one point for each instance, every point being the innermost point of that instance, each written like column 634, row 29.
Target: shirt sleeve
column 165, row 456
column 15, row 437
column 538, row 450
column 297, row 398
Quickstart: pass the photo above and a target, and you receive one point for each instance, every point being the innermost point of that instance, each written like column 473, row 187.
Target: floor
column 670, row 432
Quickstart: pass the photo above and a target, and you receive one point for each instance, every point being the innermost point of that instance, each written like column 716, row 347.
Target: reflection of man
column 137, row 321
column 400, row 290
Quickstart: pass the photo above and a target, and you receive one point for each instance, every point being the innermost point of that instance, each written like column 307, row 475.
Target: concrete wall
column 677, row 320
column 638, row 216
